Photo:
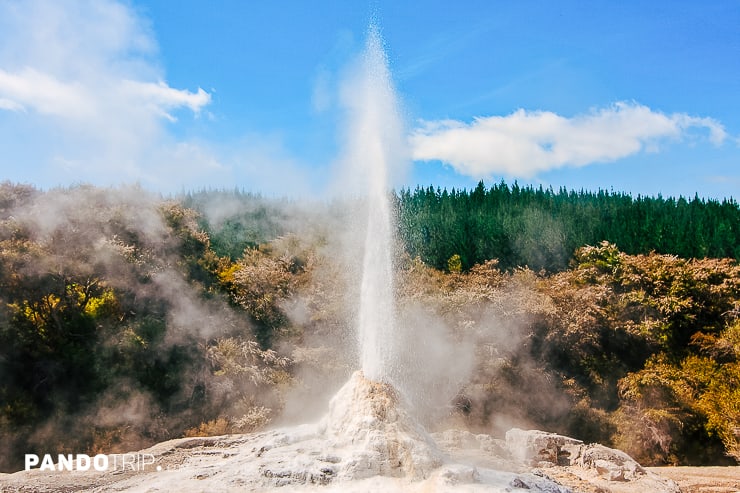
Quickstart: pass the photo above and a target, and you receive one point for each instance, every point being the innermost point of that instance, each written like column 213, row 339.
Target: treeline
column 519, row 226
column 541, row 228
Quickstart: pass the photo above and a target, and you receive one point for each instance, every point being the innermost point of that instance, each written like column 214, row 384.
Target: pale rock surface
column 607, row 468
column 367, row 442
column 367, row 420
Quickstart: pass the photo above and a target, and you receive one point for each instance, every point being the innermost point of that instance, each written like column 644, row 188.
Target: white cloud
column 524, row 143
column 82, row 81
column 160, row 97
column 31, row 89
column 84, row 99
column 7, row 104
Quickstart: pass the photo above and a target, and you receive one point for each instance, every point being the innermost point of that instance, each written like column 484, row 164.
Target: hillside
column 127, row 319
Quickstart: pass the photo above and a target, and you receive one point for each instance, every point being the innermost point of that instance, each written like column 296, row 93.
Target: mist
column 110, row 321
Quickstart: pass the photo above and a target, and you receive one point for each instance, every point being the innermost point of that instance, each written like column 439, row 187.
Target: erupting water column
column 368, row 420
column 377, row 147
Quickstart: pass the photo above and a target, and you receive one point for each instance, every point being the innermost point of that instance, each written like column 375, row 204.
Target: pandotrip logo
column 99, row 462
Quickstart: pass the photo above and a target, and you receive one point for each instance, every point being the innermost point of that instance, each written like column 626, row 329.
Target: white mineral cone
column 370, row 419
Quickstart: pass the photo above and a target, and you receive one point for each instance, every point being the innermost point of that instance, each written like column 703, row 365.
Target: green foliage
column 698, row 394
column 236, row 220
column 122, row 304
column 635, row 351
column 541, row 228
column 664, row 347
column 90, row 323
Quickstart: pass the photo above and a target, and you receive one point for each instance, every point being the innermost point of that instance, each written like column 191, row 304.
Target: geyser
column 376, row 132
column 369, row 439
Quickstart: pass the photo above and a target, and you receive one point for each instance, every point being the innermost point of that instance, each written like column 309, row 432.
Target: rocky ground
column 368, row 442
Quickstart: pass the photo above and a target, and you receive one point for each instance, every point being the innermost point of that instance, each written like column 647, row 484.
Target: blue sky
column 635, row 96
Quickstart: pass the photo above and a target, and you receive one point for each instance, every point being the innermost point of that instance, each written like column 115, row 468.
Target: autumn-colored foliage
column 127, row 319
column 636, row 351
